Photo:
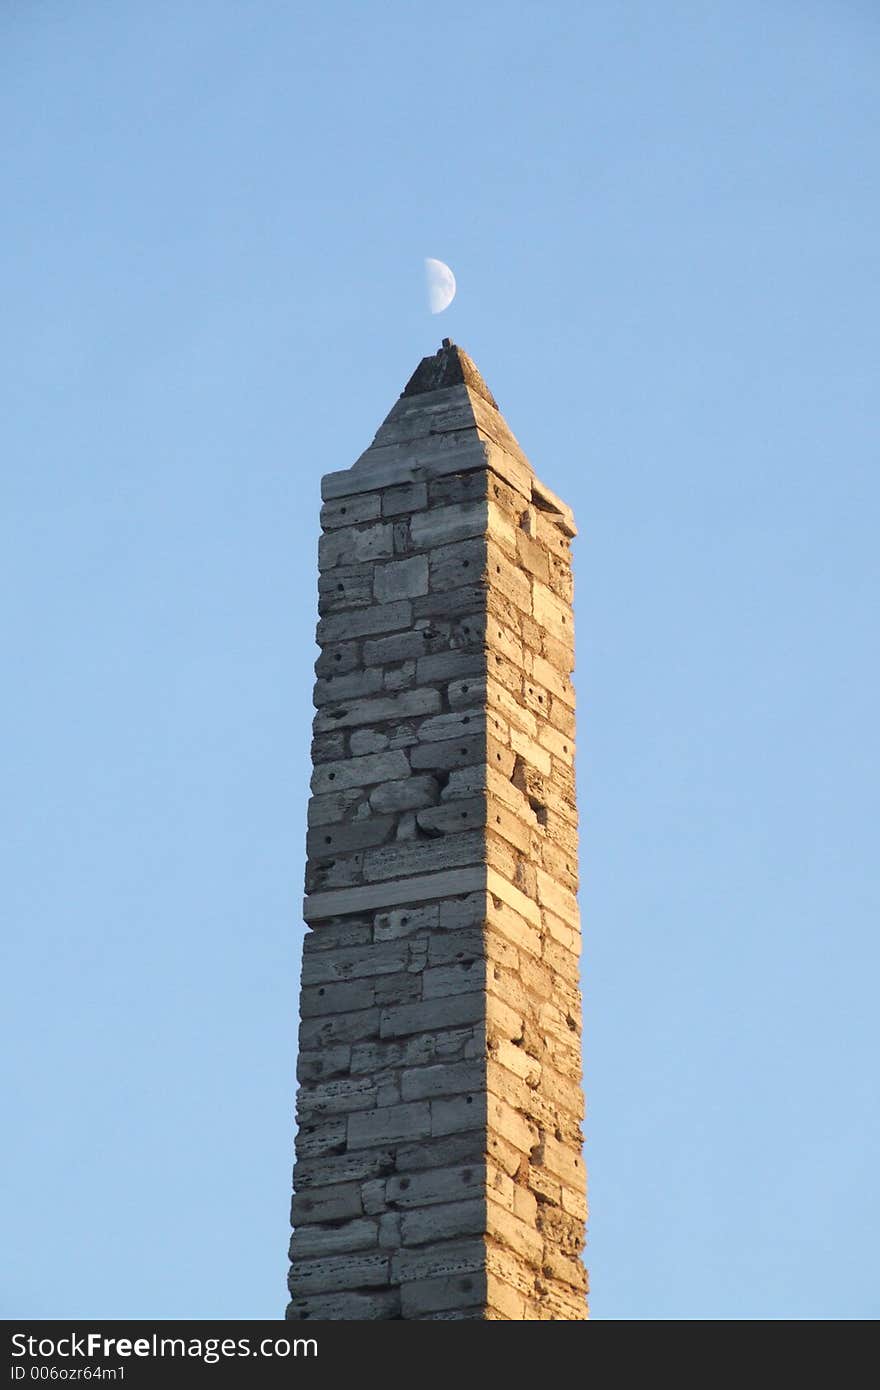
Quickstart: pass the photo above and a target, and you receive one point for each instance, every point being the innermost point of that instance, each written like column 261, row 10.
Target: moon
column 441, row 285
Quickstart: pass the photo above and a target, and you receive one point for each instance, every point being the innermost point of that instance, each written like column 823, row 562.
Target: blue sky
column 664, row 224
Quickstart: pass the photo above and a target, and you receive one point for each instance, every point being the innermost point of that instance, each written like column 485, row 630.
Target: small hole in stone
column 331, row 776
column 404, row 1184
column 464, row 815
column 340, row 588
column 462, row 751
column 498, row 757
column 467, row 719
column 338, row 656
column 565, row 747
column 321, row 990
column 403, row 921
column 540, row 699
column 470, row 1100
column 328, row 839
column 497, row 820
column 498, row 661
column 465, row 564
column 464, row 690
column 497, row 569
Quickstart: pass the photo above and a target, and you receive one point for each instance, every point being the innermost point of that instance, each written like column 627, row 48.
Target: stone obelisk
column 439, row 1172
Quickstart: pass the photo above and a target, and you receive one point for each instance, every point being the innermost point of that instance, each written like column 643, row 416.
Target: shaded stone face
column 439, row 1171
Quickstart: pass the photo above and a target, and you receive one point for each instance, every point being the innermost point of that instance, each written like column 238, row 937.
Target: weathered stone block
column 333, row 1273
column 352, row 544
column 444, row 1221
column 352, row 511
column 339, row 1202
column 401, row 579
column 457, row 1113
column 442, row 525
column 401, row 501
column 330, row 1240
column 421, row 1083
column 350, row 1307
column 392, row 1124
column 360, row 772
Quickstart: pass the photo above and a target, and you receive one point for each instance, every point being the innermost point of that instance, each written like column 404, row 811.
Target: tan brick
column 513, row 710
column 503, row 532
column 522, row 905
column 533, row 556
column 559, row 744
column 555, row 681
column 558, row 900
column 533, row 753
column 510, row 1125
column 517, row 1235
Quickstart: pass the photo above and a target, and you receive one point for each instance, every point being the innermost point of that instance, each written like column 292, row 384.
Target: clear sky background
column 665, row 224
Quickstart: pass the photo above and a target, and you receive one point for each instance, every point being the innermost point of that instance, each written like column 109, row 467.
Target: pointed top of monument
column 445, row 421
column 449, row 366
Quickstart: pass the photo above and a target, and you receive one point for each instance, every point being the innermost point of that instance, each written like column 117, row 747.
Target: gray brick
column 335, row 806
column 408, row 703
column 345, row 997
column 349, row 1307
column 460, row 977
column 442, row 525
column 463, row 1112
column 338, row 1202
column 318, row 1099
column 421, row 1083
column 436, row 1185
column 381, row 958
column 350, row 544
column 354, row 685
column 360, row 772
column 351, row 1166
column 449, row 666
column 348, row 586
column 446, row 1221
column 351, row 511
column 449, row 754
column 330, row 1240
column 334, row 1273
column 401, row 579
column 456, row 724
column 405, row 795
column 411, row 497
column 337, row 1028
column 428, row 1015
column 421, row 1297
column 362, row 622
column 389, row 1125
column 324, row 841
column 423, row 856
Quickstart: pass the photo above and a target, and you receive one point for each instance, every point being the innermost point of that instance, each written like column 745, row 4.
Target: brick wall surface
column 439, row 1171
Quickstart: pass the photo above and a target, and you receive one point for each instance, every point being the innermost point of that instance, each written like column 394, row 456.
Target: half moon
column 441, row 285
